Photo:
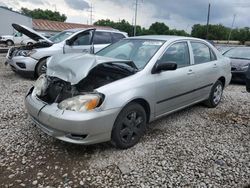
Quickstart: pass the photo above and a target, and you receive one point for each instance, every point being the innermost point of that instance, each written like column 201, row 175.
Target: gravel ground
column 196, row 147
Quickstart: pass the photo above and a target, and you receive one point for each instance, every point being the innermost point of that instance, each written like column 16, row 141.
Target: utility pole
column 208, row 17
column 91, row 14
column 136, row 5
column 229, row 36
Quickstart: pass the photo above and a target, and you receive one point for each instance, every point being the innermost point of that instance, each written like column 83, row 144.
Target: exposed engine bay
column 55, row 90
column 23, row 50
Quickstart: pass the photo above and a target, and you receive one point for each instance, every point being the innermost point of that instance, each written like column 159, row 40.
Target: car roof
column 97, row 29
column 164, row 37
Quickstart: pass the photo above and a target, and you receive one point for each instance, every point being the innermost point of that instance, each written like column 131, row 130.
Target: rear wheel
column 41, row 67
column 215, row 95
column 129, row 126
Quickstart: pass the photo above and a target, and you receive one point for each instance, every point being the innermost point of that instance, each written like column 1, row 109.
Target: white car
column 31, row 60
column 15, row 39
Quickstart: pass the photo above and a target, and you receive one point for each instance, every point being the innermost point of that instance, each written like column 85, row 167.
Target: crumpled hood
column 30, row 33
column 74, row 67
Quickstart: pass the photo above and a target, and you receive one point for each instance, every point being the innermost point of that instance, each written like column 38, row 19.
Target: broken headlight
column 40, row 85
column 80, row 103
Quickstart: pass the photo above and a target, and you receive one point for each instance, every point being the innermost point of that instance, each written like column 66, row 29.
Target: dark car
column 248, row 79
column 240, row 59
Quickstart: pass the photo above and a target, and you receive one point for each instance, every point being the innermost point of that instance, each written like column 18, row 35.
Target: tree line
column 215, row 32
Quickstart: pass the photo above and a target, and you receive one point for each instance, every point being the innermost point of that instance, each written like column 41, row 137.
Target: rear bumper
column 74, row 127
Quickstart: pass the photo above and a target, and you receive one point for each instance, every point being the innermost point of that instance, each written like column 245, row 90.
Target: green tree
column 158, row 28
column 122, row 25
column 44, row 14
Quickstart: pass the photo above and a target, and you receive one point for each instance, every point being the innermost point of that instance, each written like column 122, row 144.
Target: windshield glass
column 239, row 53
column 61, row 36
column 140, row 51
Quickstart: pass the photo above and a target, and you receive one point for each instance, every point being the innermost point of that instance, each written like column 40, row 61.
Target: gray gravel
column 196, row 147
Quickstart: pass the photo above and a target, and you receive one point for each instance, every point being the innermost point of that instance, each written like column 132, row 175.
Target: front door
column 174, row 88
column 81, row 43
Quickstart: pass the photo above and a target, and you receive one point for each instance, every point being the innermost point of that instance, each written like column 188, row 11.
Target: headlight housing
column 40, row 85
column 81, row 103
column 244, row 68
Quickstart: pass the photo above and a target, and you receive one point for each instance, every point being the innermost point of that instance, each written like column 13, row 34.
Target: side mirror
column 68, row 42
column 164, row 66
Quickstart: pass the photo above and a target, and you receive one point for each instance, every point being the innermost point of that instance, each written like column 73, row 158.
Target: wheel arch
column 223, row 80
column 38, row 64
column 144, row 103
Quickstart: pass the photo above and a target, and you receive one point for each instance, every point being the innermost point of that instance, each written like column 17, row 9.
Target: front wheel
column 215, row 95
column 129, row 126
column 10, row 43
column 41, row 67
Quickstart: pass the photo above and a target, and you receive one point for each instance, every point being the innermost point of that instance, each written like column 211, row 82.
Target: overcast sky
column 179, row 14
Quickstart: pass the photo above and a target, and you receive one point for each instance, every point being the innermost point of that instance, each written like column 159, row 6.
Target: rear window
column 202, row 53
column 102, row 38
column 117, row 37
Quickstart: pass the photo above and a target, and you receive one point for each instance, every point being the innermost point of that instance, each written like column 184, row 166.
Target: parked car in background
column 29, row 41
column 248, row 79
column 31, row 60
column 15, row 39
column 240, row 59
column 112, row 95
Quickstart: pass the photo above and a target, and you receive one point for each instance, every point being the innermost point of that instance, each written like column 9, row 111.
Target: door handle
column 190, row 71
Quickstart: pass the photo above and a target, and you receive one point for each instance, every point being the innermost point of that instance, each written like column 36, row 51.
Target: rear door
column 174, row 88
column 205, row 66
column 101, row 39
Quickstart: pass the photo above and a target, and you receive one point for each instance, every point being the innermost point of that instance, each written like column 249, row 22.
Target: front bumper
column 27, row 68
column 74, row 127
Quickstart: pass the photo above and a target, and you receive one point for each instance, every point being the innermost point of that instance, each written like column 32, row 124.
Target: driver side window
column 177, row 53
column 82, row 39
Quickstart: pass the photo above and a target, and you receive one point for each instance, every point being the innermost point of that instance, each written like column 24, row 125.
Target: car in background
column 240, row 60
column 248, row 79
column 31, row 60
column 29, row 41
column 15, row 39
column 112, row 95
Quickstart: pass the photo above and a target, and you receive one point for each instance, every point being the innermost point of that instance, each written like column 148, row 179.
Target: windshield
column 61, row 36
column 140, row 51
column 238, row 53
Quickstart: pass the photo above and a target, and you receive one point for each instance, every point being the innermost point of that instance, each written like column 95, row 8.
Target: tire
column 215, row 95
column 29, row 43
column 41, row 67
column 129, row 126
column 9, row 43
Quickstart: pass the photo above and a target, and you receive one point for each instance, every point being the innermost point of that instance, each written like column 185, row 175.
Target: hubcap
column 131, row 127
column 217, row 94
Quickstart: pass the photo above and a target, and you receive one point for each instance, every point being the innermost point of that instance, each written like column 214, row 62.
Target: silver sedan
column 112, row 95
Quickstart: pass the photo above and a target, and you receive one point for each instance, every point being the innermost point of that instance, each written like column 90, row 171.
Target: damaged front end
column 81, row 96
column 27, row 50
